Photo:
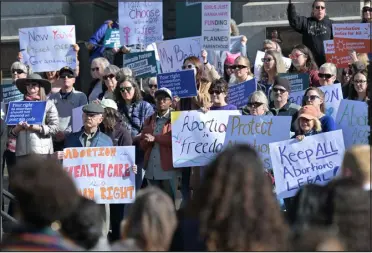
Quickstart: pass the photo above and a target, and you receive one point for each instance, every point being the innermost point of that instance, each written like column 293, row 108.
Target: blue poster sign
column 238, row 94
column 31, row 112
column 9, row 93
column 181, row 83
column 142, row 63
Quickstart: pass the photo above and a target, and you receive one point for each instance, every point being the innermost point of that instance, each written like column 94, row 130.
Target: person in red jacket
column 156, row 141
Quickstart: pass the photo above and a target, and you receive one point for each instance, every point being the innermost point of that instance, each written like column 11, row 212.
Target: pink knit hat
column 230, row 58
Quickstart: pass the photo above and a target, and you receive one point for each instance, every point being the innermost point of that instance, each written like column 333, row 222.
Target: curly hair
column 236, row 207
column 137, row 92
column 45, row 192
column 310, row 62
column 111, row 117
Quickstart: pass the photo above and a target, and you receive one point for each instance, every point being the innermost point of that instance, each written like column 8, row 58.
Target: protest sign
column 31, row 112
column 314, row 160
column 10, row 93
column 238, row 94
column 352, row 118
column 198, row 137
column 140, row 22
column 142, row 63
column 173, row 52
column 181, row 83
column 103, row 174
column 48, row 48
column 298, row 82
column 258, row 132
column 258, row 63
column 112, row 38
column 216, row 25
column 77, row 119
column 296, row 97
column 355, row 36
column 341, row 60
column 192, row 2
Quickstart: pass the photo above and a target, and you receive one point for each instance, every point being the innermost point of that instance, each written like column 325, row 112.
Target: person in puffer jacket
column 314, row 29
column 36, row 139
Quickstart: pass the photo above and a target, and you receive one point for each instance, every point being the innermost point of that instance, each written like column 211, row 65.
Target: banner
column 298, row 82
column 341, row 60
column 258, row 63
column 31, row 112
column 314, row 160
column 258, row 132
column 181, row 83
column 238, row 94
column 355, row 36
column 48, row 48
column 112, row 38
column 103, row 174
column 142, row 63
column 140, row 22
column 198, row 137
column 173, row 52
column 352, row 118
column 216, row 25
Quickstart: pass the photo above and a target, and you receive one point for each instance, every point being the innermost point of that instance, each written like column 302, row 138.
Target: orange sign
column 352, row 37
column 341, row 60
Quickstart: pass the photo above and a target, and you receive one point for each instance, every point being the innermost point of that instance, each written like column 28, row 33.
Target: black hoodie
column 313, row 31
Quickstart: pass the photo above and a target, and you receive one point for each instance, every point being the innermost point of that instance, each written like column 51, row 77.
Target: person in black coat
column 314, row 29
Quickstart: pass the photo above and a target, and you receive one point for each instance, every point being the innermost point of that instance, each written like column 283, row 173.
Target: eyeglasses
column 239, row 67
column 311, row 97
column 319, row 7
column 67, row 75
column 360, row 81
column 94, row 69
column 108, row 76
column 153, row 86
column 254, row 104
column 32, row 84
column 189, row 66
column 18, row 71
column 279, row 90
column 127, row 89
column 266, row 60
column 217, row 92
column 324, row 76
column 295, row 56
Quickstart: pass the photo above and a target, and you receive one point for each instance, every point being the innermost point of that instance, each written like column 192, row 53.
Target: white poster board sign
column 77, row 119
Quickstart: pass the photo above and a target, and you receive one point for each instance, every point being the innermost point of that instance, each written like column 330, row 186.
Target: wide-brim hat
column 33, row 78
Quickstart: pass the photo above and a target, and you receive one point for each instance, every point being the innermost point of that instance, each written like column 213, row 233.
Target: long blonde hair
column 279, row 64
column 317, row 125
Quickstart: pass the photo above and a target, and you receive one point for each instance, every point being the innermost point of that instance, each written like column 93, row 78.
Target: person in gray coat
column 36, row 139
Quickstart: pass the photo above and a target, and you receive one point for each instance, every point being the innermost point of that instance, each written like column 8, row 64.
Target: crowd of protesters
column 228, row 205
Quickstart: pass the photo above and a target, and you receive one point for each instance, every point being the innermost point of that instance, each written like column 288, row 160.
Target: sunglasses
column 190, row 66
column 266, row 60
column 32, row 84
column 254, row 104
column 108, row 76
column 239, row 67
column 360, row 81
column 94, row 69
column 324, row 76
column 320, row 7
column 217, row 92
column 67, row 75
column 365, row 9
column 311, row 97
column 229, row 67
column 153, row 86
column 18, row 71
column 279, row 90
column 295, row 56
column 127, row 89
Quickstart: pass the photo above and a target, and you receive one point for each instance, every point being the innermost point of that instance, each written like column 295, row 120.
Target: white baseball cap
column 109, row 103
column 165, row 91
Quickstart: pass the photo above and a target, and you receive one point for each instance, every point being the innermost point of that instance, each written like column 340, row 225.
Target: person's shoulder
column 326, row 118
column 294, row 106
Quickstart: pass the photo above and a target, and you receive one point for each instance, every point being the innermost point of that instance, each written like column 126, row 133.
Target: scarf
column 32, row 98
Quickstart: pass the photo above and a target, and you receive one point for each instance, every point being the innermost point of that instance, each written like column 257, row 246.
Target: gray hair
column 111, row 69
column 124, row 72
column 277, row 46
column 259, row 96
column 153, row 80
column 20, row 65
column 329, row 66
column 101, row 61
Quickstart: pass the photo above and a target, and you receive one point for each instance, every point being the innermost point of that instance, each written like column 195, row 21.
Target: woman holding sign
column 36, row 139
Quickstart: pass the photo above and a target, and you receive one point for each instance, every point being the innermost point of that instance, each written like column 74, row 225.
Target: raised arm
column 298, row 23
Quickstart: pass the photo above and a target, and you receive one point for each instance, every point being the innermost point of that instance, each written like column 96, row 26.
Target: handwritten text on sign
column 48, row 48
column 352, row 118
column 314, row 160
column 198, row 137
column 259, row 132
column 172, row 53
column 31, row 112
column 140, row 22
column 238, row 94
column 103, row 174
column 181, row 83
column 216, row 25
